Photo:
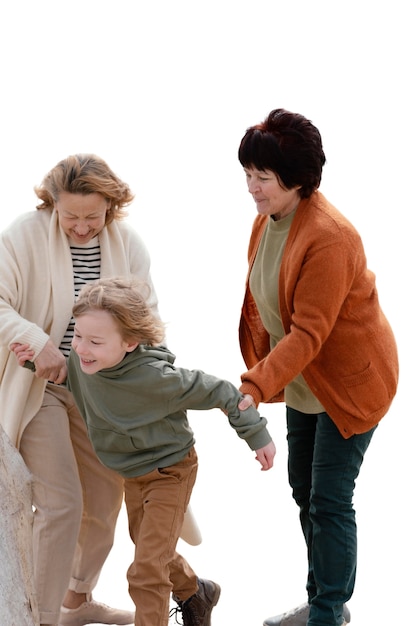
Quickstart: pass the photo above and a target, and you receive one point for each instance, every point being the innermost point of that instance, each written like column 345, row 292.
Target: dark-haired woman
column 313, row 335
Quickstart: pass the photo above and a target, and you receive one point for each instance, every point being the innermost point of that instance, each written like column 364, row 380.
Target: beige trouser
column 76, row 499
column 155, row 504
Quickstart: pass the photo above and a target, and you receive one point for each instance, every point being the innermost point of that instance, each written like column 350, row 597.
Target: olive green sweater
column 136, row 411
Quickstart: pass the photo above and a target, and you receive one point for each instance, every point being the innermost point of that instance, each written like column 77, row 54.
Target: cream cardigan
column 37, row 295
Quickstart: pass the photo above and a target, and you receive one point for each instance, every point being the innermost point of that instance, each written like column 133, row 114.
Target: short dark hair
column 289, row 145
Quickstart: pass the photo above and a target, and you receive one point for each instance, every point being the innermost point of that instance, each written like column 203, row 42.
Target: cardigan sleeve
column 24, row 264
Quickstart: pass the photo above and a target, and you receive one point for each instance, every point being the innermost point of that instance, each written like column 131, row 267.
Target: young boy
column 135, row 402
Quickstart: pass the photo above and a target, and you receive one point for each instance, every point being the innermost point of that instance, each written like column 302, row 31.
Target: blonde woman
column 76, row 234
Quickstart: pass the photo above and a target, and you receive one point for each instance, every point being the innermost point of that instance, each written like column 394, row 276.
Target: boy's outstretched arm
column 266, row 455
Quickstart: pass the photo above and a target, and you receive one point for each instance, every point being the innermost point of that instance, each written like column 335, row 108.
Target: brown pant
column 156, row 503
column 76, row 500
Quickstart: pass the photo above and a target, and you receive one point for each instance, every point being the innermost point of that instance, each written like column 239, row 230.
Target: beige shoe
column 92, row 612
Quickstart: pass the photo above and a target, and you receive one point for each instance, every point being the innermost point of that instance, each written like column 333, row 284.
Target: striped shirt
column 86, row 263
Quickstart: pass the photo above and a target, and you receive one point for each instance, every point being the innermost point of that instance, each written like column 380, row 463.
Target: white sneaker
column 92, row 612
column 299, row 617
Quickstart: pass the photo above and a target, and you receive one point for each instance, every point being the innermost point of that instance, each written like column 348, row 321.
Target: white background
column 164, row 91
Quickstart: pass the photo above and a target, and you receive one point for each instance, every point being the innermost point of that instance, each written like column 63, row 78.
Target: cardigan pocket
column 367, row 391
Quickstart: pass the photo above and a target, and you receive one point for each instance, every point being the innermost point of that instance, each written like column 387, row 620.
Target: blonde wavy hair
column 84, row 174
column 123, row 298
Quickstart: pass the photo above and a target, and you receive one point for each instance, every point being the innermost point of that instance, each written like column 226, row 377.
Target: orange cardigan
column 336, row 334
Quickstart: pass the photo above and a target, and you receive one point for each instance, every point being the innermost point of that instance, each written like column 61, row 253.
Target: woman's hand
column 246, row 402
column 50, row 362
column 266, row 455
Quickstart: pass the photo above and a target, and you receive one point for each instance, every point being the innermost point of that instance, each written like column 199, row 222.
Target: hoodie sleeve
column 196, row 390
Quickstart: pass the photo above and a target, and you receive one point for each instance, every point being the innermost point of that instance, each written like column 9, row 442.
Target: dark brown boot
column 196, row 611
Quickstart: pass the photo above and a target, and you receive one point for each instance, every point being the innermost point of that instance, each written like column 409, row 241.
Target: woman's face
column 81, row 217
column 270, row 195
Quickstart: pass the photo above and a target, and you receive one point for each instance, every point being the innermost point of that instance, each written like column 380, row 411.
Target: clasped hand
column 50, row 363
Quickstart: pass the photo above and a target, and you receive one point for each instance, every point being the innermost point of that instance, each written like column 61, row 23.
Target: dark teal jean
column 322, row 470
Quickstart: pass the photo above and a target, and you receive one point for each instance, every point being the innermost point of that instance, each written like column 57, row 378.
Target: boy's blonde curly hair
column 123, row 298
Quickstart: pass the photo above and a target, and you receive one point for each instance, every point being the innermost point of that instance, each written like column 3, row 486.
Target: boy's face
column 98, row 342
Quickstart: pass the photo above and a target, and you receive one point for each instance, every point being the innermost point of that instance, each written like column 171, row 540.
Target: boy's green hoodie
column 136, row 411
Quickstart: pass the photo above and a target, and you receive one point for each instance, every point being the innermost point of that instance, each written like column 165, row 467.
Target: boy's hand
column 50, row 362
column 266, row 455
column 23, row 352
